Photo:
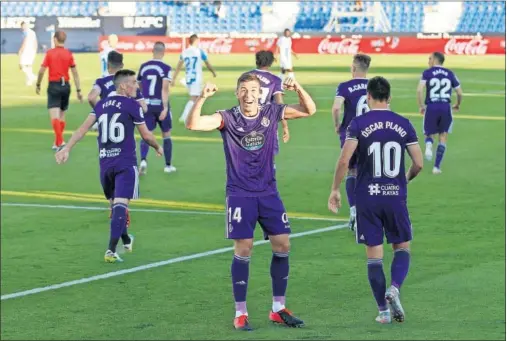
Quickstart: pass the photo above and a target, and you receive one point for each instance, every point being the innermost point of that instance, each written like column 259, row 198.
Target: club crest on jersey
column 253, row 141
column 265, row 122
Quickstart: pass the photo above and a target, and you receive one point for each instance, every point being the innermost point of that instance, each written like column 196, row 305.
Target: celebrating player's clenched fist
column 209, row 90
column 290, row 84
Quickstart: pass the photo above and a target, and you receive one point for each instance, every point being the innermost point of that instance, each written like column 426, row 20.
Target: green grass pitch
column 455, row 288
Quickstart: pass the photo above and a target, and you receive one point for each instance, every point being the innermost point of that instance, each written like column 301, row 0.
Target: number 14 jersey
column 382, row 137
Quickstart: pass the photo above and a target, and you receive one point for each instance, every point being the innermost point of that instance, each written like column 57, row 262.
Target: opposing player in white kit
column 285, row 53
column 192, row 57
column 112, row 41
column 27, row 53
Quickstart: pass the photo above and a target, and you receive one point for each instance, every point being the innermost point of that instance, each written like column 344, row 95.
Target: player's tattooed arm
column 342, row 166
column 337, row 106
column 415, row 153
column 207, row 122
column 176, row 72
column 306, row 106
column 149, row 138
column 420, row 96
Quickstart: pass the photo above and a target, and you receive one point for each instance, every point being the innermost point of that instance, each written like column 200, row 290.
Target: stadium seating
column 482, row 16
column 241, row 16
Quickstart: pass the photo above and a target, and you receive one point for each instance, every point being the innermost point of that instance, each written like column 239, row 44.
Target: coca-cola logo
column 344, row 46
column 471, row 47
column 218, row 45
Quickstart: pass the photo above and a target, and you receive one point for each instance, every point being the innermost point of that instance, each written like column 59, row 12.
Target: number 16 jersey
column 117, row 117
column 382, row 137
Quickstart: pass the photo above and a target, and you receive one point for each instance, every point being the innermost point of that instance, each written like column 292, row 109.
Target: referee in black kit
column 59, row 60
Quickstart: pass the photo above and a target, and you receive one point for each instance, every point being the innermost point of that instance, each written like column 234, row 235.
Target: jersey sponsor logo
column 253, row 141
column 72, row 22
column 471, row 47
column 107, row 153
column 143, row 22
column 265, row 122
column 344, row 46
column 383, row 190
column 15, row 22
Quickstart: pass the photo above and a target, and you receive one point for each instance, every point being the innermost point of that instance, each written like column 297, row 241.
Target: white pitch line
column 98, row 208
column 154, row 265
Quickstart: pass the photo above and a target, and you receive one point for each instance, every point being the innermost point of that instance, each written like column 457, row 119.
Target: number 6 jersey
column 355, row 102
column 117, row 117
column 382, row 137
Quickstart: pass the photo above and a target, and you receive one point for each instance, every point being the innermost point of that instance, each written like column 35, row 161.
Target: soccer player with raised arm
column 271, row 88
column 380, row 138
column 155, row 77
column 249, row 133
column 192, row 57
column 117, row 116
column 437, row 109
column 352, row 96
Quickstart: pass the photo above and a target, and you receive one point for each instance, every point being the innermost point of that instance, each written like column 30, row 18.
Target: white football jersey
column 31, row 42
column 193, row 57
column 285, row 45
column 103, row 60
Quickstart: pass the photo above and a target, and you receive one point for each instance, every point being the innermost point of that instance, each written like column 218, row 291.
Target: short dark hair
column 193, row 38
column 121, row 75
column 439, row 56
column 362, row 61
column 60, row 36
column 247, row 77
column 286, row 30
column 115, row 59
column 379, row 89
column 264, row 58
column 159, row 47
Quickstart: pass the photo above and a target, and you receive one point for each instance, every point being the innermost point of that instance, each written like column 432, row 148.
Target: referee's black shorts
column 58, row 95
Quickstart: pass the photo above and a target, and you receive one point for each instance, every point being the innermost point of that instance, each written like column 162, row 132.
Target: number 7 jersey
column 382, row 137
column 355, row 102
column 117, row 117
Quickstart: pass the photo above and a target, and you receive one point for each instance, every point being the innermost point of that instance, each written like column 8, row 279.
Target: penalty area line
column 155, row 265
column 152, row 210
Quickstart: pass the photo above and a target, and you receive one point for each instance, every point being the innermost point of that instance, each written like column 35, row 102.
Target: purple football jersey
column 116, row 116
column 249, row 144
column 439, row 84
column 106, row 87
column 151, row 75
column 355, row 100
column 270, row 85
column 382, row 137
